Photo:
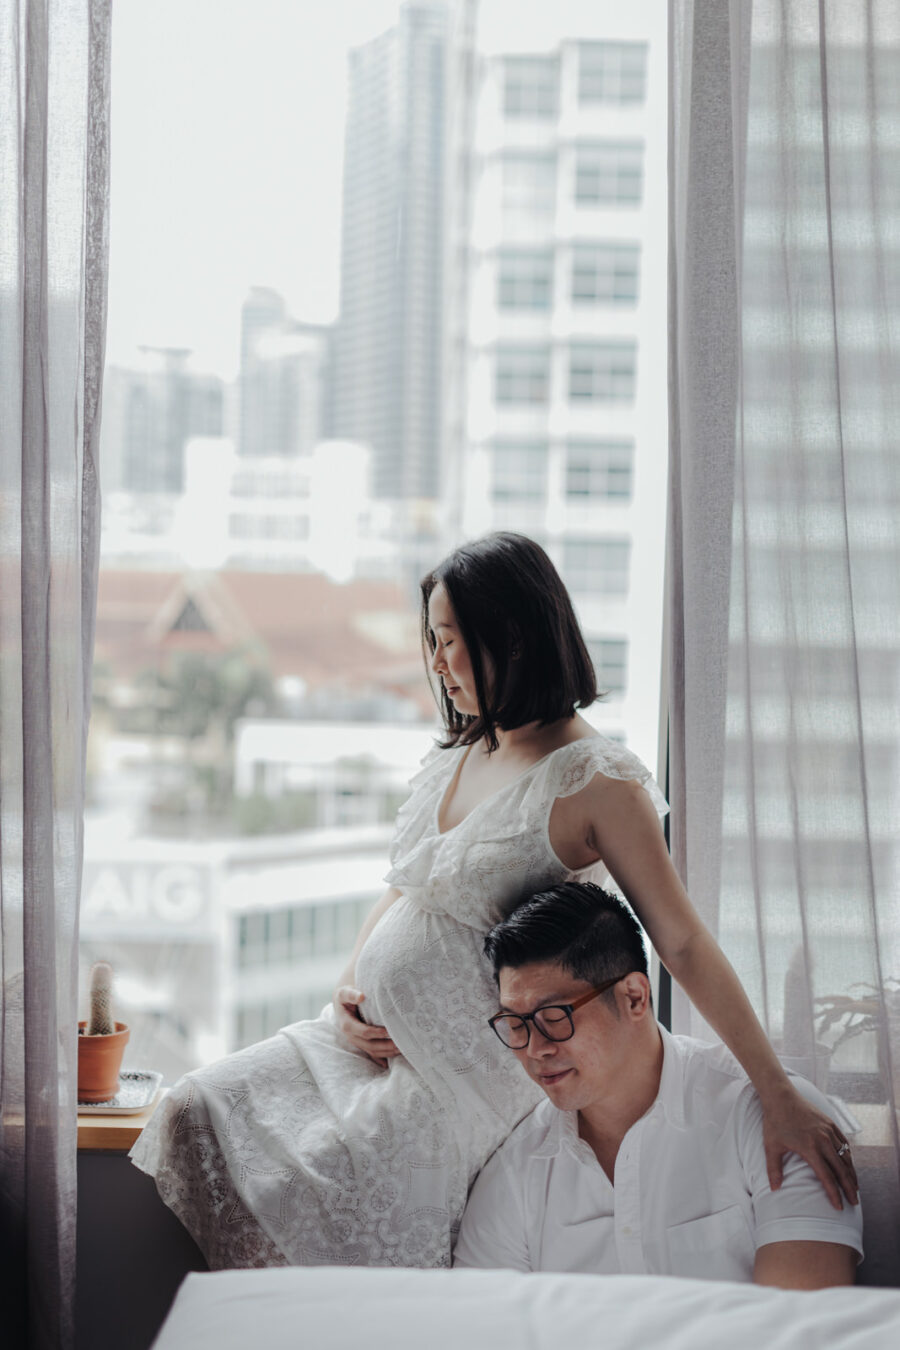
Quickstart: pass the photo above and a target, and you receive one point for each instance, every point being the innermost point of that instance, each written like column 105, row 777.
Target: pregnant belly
column 426, row 980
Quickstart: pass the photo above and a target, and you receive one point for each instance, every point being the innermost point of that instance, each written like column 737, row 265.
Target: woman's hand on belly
column 373, row 1042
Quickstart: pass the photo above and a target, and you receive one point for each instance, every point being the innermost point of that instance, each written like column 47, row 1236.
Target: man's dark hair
column 511, row 606
column 590, row 933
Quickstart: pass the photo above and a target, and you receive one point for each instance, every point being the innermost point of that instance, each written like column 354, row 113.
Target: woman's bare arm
column 621, row 827
column 372, row 1041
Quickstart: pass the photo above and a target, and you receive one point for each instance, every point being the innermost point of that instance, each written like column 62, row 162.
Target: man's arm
column 801, row 1242
column 804, row 1265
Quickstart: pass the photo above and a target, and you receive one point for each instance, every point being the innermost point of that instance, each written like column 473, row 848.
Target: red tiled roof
column 305, row 624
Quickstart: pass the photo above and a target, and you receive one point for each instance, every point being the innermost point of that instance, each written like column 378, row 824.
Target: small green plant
column 853, row 1015
column 871, row 1011
column 101, row 1021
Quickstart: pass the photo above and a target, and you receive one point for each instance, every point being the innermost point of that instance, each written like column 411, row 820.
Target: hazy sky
column 227, row 141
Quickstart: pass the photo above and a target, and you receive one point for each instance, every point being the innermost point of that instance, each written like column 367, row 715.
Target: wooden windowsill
column 117, row 1134
column 112, row 1134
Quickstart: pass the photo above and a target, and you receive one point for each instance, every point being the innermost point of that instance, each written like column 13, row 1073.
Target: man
column 647, row 1157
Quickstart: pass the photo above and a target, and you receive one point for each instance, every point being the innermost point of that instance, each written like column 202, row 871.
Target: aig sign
column 135, row 895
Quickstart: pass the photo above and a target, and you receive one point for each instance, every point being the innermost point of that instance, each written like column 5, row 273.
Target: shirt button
column 626, row 1231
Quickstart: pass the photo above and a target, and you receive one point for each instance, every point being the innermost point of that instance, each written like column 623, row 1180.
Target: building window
column 612, row 72
column 609, row 173
column 605, row 274
column 530, row 86
column 597, row 566
column 528, row 192
column 525, row 279
column 599, row 470
column 610, row 658
column 519, row 471
column 602, row 372
column 522, row 375
column 245, row 526
column 299, row 932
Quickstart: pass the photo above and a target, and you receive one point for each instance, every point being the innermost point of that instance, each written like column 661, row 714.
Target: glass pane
column 612, row 72
column 351, row 324
column 609, row 174
column 530, row 87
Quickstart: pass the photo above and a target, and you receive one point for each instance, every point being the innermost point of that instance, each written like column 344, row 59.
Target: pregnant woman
column 353, row 1139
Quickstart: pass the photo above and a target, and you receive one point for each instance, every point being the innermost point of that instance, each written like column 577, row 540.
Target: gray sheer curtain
column 54, row 100
column 784, row 562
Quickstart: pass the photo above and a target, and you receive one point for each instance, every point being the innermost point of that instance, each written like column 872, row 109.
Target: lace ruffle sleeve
column 574, row 770
column 426, row 787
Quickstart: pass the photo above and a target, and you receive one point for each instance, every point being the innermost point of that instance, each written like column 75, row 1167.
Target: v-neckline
column 454, row 780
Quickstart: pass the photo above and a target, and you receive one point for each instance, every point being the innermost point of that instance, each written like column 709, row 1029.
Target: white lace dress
column 298, row 1151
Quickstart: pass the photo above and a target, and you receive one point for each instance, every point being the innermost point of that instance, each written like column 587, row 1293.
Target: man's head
column 556, row 948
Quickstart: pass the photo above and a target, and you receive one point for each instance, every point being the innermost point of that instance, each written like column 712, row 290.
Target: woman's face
column 450, row 658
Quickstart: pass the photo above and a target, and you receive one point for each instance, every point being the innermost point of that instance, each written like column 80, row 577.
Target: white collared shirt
column 691, row 1194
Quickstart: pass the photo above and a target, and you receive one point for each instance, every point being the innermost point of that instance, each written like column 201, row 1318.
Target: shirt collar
column 671, row 1083
column 562, row 1131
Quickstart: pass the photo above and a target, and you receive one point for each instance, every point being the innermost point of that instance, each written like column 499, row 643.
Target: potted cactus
column 101, row 1041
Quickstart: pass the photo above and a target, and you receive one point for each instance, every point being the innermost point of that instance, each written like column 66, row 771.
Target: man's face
column 582, row 1071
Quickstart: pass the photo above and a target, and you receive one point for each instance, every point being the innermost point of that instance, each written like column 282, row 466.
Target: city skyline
column 501, row 281
column 202, row 207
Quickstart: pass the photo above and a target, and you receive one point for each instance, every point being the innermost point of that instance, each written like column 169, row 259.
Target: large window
column 530, row 86
column 525, row 279
column 602, row 372
column 522, row 375
column 612, row 72
column 605, row 274
column 609, row 173
column 356, row 317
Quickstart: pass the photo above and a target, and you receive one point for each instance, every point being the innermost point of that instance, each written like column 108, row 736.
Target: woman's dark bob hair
column 512, row 608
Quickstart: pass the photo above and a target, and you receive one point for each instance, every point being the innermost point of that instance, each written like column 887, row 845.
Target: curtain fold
column 54, row 100
column 784, row 551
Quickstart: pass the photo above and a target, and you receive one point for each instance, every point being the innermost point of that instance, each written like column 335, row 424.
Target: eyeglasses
column 554, row 1021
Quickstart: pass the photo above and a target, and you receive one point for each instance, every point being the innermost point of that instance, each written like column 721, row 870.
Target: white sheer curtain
column 54, row 100
column 784, row 598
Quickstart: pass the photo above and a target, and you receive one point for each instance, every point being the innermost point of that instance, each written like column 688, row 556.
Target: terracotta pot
column 99, row 1061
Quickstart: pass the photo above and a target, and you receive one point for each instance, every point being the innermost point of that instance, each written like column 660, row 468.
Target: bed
column 342, row 1309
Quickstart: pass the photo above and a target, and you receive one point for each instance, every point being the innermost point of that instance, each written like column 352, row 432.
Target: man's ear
column 636, row 995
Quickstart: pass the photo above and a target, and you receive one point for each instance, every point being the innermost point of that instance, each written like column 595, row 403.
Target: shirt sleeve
column 492, row 1235
column 799, row 1211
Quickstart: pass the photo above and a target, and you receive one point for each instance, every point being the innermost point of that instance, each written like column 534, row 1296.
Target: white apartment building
column 308, row 513
column 351, row 773
column 558, row 277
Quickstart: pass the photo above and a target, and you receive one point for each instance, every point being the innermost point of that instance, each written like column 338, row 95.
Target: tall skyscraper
column 149, row 415
column 388, row 348
column 283, row 379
